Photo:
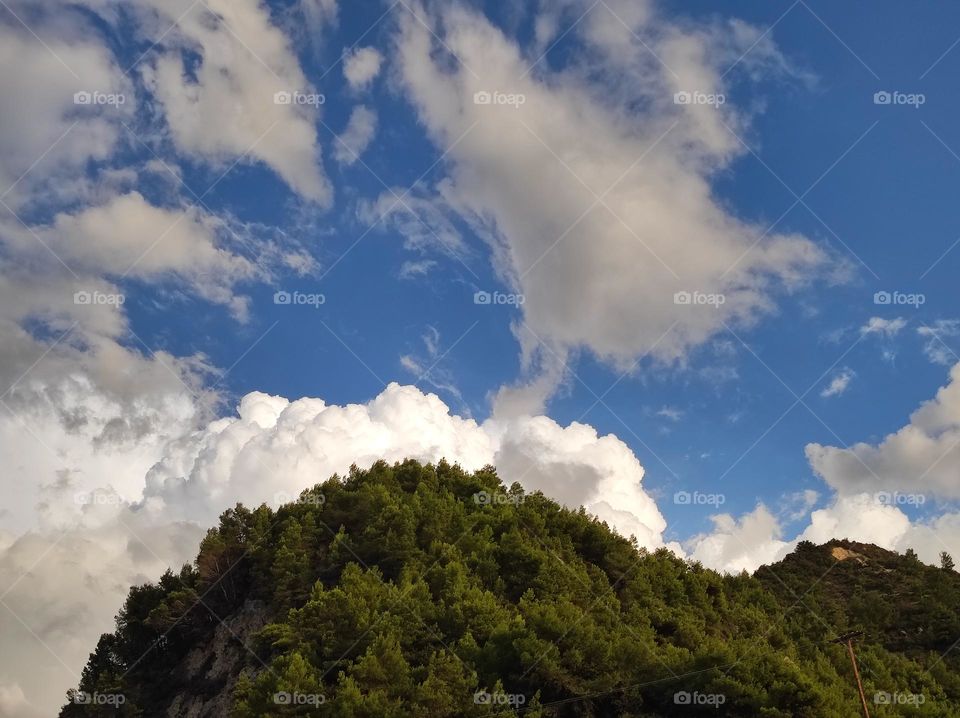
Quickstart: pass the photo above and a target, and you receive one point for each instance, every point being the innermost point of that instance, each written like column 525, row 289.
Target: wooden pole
column 856, row 673
column 847, row 639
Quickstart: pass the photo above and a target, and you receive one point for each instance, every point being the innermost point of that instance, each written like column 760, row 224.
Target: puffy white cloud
column 351, row 143
column 275, row 446
column 104, row 521
column 592, row 177
column 361, row 66
column 839, row 383
column 740, row 545
column 757, row 537
column 858, row 517
column 923, row 456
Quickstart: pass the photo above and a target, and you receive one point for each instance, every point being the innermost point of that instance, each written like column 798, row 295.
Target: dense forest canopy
column 425, row 590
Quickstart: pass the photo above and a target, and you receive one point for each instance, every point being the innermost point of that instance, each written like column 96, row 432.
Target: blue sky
column 150, row 378
column 880, row 181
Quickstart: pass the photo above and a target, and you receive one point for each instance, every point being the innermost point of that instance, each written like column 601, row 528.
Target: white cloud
column 361, row 66
column 64, row 589
column 527, row 176
column 756, row 538
column 223, row 109
column 839, row 383
column 923, row 456
column 351, row 143
column 86, row 444
column 740, row 545
column 275, row 445
column 886, row 328
column 411, row 269
column 671, row 412
column 935, row 348
column 45, row 138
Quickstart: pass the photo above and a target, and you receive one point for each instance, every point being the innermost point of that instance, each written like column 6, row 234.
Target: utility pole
column 847, row 638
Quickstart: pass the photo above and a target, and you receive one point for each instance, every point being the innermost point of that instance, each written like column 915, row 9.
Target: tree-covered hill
column 414, row 590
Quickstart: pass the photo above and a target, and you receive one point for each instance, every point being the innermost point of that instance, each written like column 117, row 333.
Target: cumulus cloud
column 591, row 176
column 278, row 446
column 118, row 501
column 756, row 538
column 361, row 66
column 839, row 383
column 923, row 456
column 351, row 143
column 740, row 545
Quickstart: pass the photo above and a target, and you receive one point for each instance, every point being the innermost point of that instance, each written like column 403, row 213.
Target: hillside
column 423, row 590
